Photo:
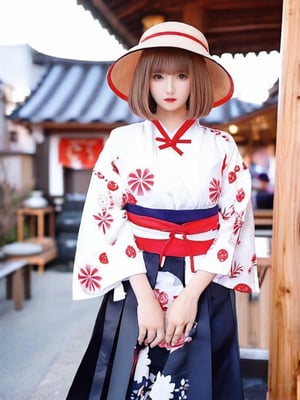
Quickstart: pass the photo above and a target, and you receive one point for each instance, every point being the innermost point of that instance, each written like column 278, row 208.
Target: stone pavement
column 42, row 345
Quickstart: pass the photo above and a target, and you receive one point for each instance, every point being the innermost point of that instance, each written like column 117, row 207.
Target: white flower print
column 142, row 369
column 162, row 388
column 141, row 181
column 215, row 190
column 104, row 220
column 89, row 278
column 105, row 202
column 182, row 389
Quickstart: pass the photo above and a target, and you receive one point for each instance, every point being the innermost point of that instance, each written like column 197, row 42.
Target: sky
column 62, row 28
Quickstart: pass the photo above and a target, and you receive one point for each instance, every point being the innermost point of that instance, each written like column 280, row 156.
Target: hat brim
column 121, row 72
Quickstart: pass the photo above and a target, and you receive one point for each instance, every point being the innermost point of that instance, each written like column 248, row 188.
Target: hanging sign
column 79, row 153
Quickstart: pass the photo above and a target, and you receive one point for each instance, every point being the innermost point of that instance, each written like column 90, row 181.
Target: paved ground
column 42, row 345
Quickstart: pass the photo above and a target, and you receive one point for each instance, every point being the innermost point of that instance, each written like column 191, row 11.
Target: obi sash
column 177, row 233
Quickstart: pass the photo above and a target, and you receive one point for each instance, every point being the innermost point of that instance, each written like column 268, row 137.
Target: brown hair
column 171, row 60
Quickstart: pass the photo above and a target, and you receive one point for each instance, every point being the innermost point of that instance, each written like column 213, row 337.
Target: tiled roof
column 230, row 111
column 77, row 92
column 74, row 92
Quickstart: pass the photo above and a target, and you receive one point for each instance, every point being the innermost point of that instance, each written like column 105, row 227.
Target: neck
column 171, row 120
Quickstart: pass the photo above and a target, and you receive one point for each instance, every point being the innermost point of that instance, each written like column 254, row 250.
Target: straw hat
column 170, row 34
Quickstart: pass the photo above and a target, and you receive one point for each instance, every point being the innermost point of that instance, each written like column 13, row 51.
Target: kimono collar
column 176, row 139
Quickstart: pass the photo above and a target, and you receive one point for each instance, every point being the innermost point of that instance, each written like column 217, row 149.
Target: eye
column 157, row 76
column 182, row 76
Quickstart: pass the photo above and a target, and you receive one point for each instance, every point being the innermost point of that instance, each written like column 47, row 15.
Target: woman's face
column 170, row 91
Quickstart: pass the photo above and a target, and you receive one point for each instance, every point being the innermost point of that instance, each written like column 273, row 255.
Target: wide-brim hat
column 170, row 34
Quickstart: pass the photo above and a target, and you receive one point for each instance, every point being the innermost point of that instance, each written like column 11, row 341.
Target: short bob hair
column 171, row 60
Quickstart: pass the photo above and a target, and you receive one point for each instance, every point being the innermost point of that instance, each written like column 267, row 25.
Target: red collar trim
column 173, row 142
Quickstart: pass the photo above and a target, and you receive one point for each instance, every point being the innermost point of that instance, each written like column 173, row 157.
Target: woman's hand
column 182, row 313
column 180, row 317
column 150, row 321
column 149, row 313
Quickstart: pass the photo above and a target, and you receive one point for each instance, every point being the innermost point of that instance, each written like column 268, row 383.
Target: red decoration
column 141, row 181
column 79, row 153
column 112, row 186
column 240, row 195
column 222, row 255
column 103, row 258
column 130, row 252
column 89, row 278
column 242, row 287
column 231, row 177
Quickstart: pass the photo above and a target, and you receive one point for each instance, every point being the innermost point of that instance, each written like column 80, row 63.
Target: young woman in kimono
column 167, row 233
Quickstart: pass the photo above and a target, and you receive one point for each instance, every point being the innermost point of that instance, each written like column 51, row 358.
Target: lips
column 170, row 100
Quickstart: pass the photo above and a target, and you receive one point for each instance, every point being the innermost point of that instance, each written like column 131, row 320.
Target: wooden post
column 285, row 301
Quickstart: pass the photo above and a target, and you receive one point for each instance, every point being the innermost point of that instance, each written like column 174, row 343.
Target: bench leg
column 41, row 265
column 27, row 281
column 17, row 289
column 9, row 287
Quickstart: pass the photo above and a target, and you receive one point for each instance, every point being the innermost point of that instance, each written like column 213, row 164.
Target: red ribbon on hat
column 175, row 33
column 176, row 139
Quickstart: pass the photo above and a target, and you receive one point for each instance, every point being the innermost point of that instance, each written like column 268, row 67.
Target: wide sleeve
column 232, row 255
column 106, row 252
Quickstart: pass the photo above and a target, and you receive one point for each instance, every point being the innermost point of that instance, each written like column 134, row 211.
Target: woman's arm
column 106, row 252
column 149, row 313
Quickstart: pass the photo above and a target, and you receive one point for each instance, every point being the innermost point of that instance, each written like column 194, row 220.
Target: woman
column 167, row 232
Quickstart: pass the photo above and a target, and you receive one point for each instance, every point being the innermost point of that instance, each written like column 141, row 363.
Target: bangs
column 170, row 61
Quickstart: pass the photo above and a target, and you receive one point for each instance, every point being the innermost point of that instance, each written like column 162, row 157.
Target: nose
column 170, row 84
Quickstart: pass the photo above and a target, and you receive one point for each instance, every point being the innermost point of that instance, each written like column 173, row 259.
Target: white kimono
column 133, row 169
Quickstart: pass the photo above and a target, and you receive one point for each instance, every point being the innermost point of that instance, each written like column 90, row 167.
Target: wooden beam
column 257, row 4
column 242, row 28
column 285, row 301
column 239, row 26
column 113, row 21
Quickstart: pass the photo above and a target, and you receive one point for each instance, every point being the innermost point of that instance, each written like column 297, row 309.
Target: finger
column 159, row 338
column 169, row 333
column 177, row 335
column 188, row 329
column 142, row 335
column 151, row 335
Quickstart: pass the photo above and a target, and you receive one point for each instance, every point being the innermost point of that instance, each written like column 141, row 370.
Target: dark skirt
column 206, row 368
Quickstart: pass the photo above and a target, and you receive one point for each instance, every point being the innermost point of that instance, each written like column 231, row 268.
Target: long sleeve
column 232, row 256
column 106, row 252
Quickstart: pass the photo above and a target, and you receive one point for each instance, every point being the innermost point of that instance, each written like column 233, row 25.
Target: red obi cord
column 177, row 244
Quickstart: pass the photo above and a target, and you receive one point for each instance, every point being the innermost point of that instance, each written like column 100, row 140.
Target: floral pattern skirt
column 204, row 366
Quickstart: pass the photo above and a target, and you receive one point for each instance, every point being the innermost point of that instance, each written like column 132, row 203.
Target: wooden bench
column 18, row 280
column 48, row 253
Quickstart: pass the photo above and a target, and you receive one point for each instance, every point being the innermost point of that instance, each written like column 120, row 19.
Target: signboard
column 79, row 153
